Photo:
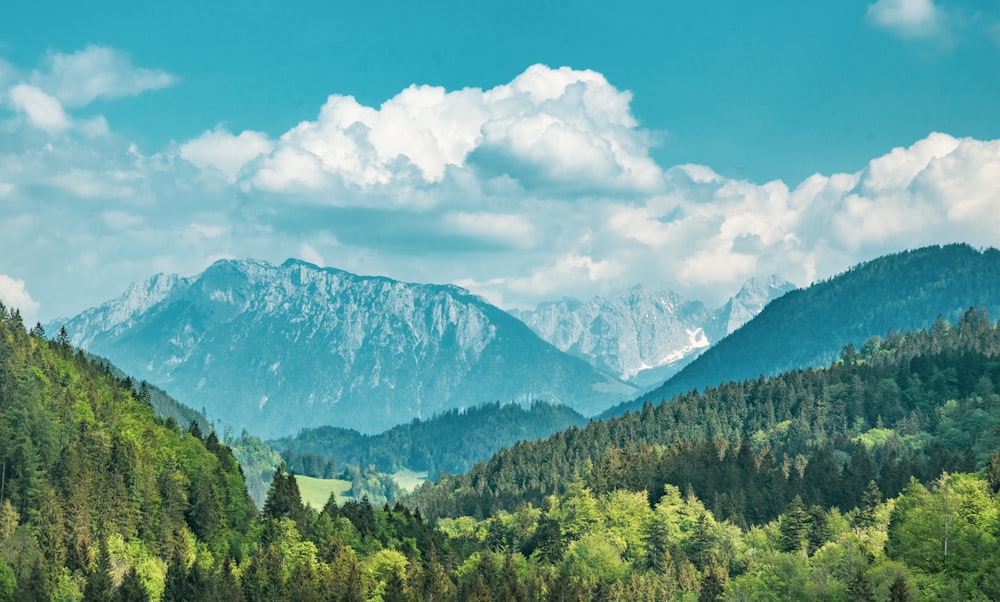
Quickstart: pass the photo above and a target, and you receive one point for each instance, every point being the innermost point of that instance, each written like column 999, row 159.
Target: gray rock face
column 751, row 299
column 277, row 348
column 644, row 337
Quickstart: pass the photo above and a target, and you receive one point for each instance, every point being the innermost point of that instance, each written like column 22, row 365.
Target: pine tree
column 993, row 472
column 285, row 501
column 551, row 544
column 858, row 589
column 63, row 339
column 436, row 585
column 795, row 527
column 869, row 505
column 657, row 542
column 37, row 585
column 819, row 529
column 713, row 582
column 395, row 589
column 701, row 542
column 224, row 585
column 899, row 591
column 131, row 589
column 175, row 584
column 99, row 585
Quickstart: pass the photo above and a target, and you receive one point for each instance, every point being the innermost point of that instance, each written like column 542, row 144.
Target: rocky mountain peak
column 277, row 348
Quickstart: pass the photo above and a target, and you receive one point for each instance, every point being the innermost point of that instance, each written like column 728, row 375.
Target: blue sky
column 166, row 136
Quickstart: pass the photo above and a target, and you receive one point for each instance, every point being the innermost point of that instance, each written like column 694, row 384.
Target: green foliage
column 101, row 500
column 749, row 448
column 8, row 582
column 95, row 486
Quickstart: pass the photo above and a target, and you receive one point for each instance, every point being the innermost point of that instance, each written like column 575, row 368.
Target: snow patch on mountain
column 644, row 336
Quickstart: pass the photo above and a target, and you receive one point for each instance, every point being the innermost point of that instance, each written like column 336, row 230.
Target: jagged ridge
column 278, row 348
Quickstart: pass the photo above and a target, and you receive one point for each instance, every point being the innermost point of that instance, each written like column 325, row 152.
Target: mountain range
column 274, row 349
column 809, row 327
column 644, row 337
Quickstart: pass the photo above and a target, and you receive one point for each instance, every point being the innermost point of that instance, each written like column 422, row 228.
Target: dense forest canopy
column 909, row 404
column 853, row 482
column 96, row 489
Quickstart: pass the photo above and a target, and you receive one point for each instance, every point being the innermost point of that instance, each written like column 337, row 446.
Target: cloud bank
column 531, row 190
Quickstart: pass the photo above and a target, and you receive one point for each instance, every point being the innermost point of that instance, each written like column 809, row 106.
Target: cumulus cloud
column 548, row 128
column 531, row 190
column 909, row 18
column 509, row 229
column 94, row 72
column 15, row 295
column 721, row 231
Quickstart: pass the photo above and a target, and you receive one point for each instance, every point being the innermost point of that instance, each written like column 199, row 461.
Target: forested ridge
column 452, row 441
column 854, row 482
column 910, row 404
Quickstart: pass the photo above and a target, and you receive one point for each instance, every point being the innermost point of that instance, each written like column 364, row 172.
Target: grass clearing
column 316, row 492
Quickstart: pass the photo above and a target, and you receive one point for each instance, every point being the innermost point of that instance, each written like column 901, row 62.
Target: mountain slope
column 92, row 478
column 642, row 336
column 278, row 348
column 450, row 442
column 920, row 402
column 809, row 327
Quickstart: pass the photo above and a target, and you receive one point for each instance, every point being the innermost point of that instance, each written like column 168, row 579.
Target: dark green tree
column 713, row 583
column 900, row 591
column 99, row 587
column 795, row 526
column 131, row 589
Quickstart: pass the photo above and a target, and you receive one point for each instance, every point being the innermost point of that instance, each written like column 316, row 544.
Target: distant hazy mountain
column 642, row 336
column 810, row 327
column 751, row 299
column 277, row 348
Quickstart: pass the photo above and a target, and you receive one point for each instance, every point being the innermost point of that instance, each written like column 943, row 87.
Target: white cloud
column 220, row 150
column 552, row 128
column 908, row 18
column 43, row 111
column 79, row 78
column 15, row 295
column 534, row 189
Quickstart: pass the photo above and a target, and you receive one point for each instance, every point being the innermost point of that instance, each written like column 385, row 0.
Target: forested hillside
column 912, row 404
column 808, row 327
column 450, row 442
column 97, row 493
column 792, row 488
